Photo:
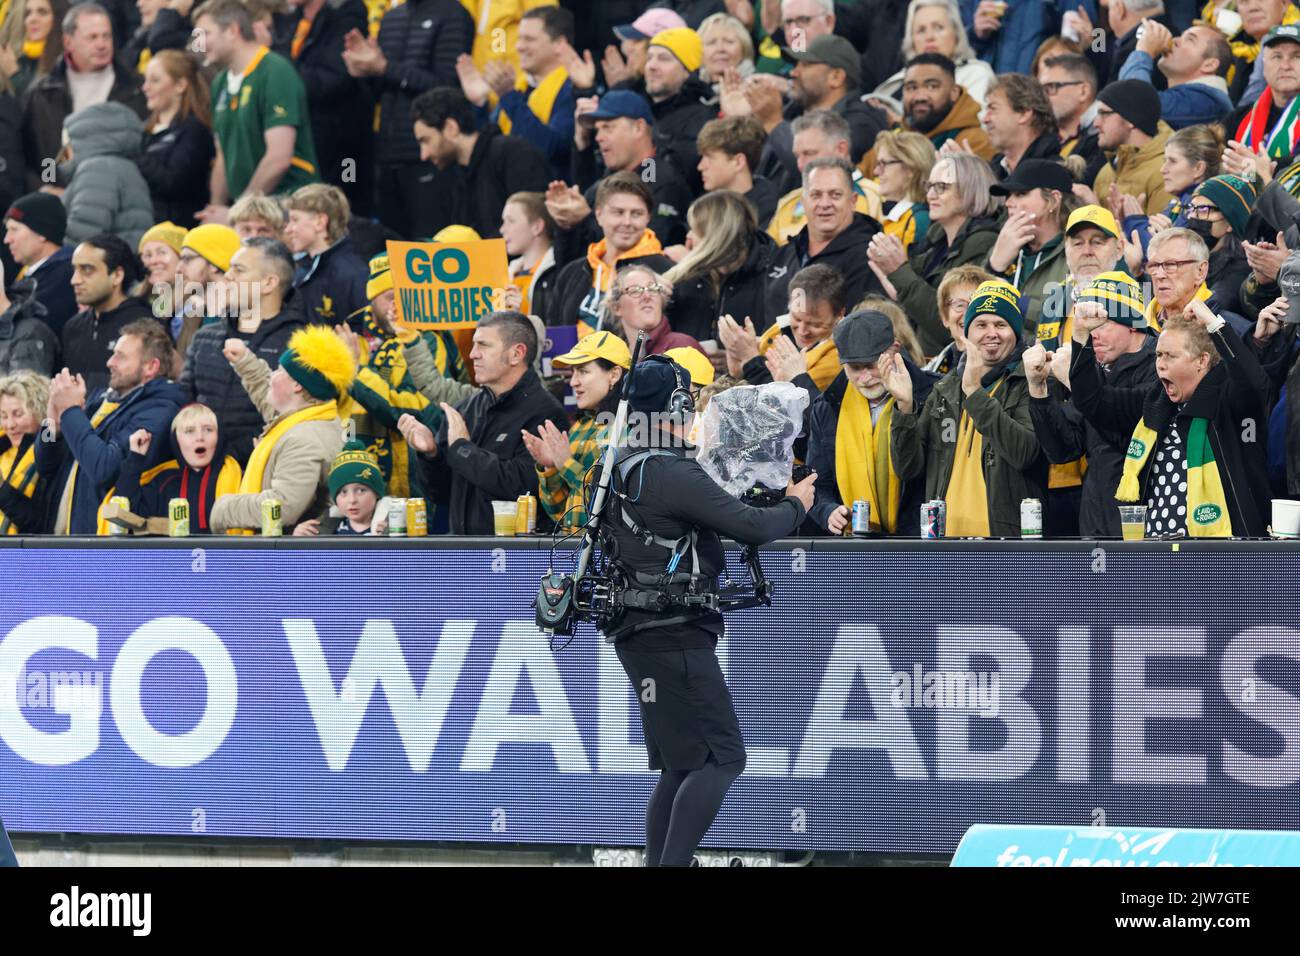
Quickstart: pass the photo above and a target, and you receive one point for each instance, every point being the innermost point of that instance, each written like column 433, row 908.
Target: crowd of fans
column 1010, row 249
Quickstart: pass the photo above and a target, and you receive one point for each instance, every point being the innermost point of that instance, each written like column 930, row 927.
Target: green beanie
column 355, row 464
column 1233, row 196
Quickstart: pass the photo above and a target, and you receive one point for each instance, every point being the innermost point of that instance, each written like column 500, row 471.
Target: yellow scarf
column 105, row 409
column 967, row 495
column 823, row 358
column 255, row 473
column 145, row 56
column 863, row 466
column 20, row 475
column 602, row 276
column 33, row 49
column 1153, row 307
column 542, row 99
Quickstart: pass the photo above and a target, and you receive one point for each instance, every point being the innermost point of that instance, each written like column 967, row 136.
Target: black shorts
column 686, row 712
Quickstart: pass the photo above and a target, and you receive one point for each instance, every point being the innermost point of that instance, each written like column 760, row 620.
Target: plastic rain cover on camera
column 747, row 435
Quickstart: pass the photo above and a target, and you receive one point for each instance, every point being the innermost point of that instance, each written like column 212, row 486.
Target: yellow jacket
column 496, row 22
column 1137, row 171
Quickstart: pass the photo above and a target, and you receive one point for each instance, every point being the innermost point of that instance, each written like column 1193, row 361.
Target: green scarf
column 1207, row 507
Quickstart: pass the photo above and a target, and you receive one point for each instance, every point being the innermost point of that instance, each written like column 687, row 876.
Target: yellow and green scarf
column 1207, row 506
column 864, row 469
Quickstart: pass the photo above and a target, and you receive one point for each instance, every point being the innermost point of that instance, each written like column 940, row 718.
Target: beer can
column 1031, row 518
column 532, row 513
column 417, row 517
column 934, row 519
column 271, row 524
column 178, row 518
column 521, row 514
column 397, row 518
column 124, row 504
column 862, row 517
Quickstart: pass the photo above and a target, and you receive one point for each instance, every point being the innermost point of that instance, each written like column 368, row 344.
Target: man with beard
column 935, row 106
column 826, row 77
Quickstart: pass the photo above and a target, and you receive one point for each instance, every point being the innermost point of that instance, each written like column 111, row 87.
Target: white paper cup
column 1286, row 518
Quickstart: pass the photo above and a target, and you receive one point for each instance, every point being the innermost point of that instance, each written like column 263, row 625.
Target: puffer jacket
column 421, row 41
column 1014, row 466
column 106, row 191
column 25, row 340
column 209, row 378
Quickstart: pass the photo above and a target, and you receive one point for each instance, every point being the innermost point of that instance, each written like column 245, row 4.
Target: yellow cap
column 457, row 234
column 381, row 278
column 165, row 232
column 597, row 345
column 695, row 362
column 683, row 43
column 1093, row 216
column 213, row 242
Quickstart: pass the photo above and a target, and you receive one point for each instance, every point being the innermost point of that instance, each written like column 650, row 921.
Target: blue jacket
column 555, row 137
column 824, row 419
column 332, row 285
column 1185, row 105
column 1025, row 25
column 101, row 451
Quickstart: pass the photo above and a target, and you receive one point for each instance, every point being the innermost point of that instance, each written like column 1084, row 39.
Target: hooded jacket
column 824, row 420
column 198, row 486
column 209, row 378
column 1066, row 435
column 962, row 123
column 745, row 291
column 99, row 452
column 1136, row 170
column 1203, row 100
column 25, row 339
column 917, row 279
column 1013, row 463
column 88, row 339
column 846, row 253
column 331, row 287
column 1037, row 275
column 1232, row 394
column 493, row 464
column 678, row 121
column 48, row 103
column 106, row 192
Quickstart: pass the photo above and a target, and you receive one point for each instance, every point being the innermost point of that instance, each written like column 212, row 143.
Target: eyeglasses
column 937, row 188
column 1168, row 268
column 882, row 163
column 639, row 290
column 1209, row 213
column 1053, row 88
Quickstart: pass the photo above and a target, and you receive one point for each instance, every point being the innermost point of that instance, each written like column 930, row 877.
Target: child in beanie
column 358, row 505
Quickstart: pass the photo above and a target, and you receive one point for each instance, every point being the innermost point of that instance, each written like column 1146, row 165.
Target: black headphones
column 681, row 402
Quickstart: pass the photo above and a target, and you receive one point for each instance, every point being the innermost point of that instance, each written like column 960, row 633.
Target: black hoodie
column 678, row 121
column 846, row 253
column 197, row 485
column 25, row 340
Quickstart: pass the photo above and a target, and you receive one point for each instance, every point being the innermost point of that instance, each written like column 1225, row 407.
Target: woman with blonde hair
column 730, row 256
column 935, row 26
column 903, row 164
column 23, row 399
column 727, row 46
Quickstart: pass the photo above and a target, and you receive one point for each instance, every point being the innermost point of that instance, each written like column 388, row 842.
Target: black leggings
column 682, row 808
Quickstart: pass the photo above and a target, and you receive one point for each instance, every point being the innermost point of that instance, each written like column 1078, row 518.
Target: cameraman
column 691, row 731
